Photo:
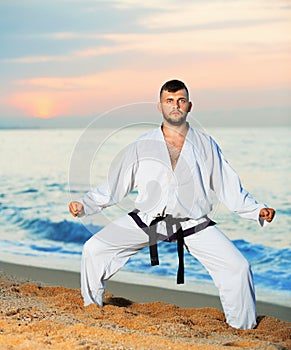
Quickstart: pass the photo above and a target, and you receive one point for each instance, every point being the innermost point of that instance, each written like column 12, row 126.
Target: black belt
column 179, row 235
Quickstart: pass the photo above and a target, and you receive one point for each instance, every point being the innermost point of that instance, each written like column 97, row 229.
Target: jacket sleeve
column 120, row 181
column 225, row 182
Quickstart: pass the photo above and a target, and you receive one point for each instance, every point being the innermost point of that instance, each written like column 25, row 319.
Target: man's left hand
column 267, row 214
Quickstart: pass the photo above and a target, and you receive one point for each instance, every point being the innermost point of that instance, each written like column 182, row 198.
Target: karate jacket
column 186, row 191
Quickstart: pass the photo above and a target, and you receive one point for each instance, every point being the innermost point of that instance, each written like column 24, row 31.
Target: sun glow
column 43, row 107
column 38, row 105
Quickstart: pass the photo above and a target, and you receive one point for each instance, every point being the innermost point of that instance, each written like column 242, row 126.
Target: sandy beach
column 43, row 309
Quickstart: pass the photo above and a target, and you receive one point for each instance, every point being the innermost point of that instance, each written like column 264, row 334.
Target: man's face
column 175, row 106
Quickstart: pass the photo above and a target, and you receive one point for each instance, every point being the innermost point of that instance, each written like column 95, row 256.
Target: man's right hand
column 76, row 208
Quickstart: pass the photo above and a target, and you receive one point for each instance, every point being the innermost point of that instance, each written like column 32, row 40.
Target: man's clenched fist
column 267, row 214
column 76, row 208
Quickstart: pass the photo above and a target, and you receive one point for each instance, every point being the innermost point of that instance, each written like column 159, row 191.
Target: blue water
column 37, row 183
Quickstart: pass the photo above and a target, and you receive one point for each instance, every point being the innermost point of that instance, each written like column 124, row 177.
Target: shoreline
column 135, row 292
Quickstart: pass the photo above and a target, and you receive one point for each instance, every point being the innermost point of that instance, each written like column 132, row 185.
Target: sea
column 42, row 170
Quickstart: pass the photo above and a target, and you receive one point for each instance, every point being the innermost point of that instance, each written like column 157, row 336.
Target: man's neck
column 174, row 130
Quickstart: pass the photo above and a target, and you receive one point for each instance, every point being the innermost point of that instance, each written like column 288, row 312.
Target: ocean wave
column 63, row 231
column 53, row 249
column 44, row 228
column 286, row 211
column 28, row 190
column 54, row 186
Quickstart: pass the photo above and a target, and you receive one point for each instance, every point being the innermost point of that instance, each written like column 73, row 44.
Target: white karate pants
column 109, row 249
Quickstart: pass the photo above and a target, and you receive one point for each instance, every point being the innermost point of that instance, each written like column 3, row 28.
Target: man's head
column 173, row 86
column 174, row 102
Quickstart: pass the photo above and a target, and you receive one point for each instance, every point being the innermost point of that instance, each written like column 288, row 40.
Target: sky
column 64, row 62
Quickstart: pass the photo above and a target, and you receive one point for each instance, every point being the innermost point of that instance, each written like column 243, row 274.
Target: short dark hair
column 173, row 86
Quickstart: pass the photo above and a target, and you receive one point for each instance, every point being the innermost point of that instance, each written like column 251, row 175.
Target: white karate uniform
column 186, row 191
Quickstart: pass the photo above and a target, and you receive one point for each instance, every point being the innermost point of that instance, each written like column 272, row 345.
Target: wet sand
column 43, row 309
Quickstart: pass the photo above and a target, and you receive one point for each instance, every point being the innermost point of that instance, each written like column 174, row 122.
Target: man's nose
column 177, row 104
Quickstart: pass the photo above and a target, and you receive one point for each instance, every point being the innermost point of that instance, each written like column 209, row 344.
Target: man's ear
column 190, row 107
column 159, row 105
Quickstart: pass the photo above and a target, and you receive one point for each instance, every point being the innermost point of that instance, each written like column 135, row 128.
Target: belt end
column 155, row 261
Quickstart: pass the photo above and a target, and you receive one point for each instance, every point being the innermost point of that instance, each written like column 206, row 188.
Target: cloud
column 64, row 35
column 209, row 45
column 129, row 4
column 216, row 14
column 37, row 59
column 61, row 83
column 202, row 74
column 111, row 81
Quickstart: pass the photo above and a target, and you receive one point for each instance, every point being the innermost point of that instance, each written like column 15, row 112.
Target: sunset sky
column 79, row 58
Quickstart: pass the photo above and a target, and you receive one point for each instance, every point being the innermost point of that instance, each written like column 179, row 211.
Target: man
column 175, row 169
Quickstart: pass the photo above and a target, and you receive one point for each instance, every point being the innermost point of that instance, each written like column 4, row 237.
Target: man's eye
column 169, row 101
column 182, row 100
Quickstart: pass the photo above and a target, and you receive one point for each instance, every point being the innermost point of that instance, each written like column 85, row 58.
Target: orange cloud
column 242, row 71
